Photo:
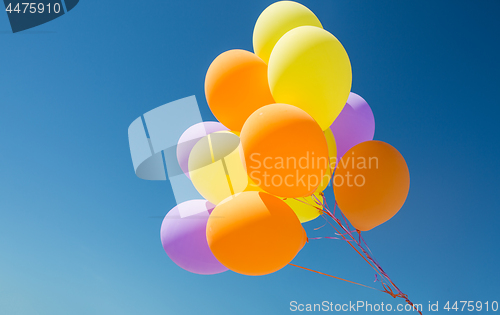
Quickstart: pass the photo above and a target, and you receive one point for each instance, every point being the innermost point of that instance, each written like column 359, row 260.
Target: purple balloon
column 184, row 239
column 354, row 125
column 190, row 137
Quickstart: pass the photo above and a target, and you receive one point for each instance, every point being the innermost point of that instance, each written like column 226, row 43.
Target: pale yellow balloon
column 306, row 208
column 215, row 166
column 277, row 19
column 309, row 68
column 330, row 165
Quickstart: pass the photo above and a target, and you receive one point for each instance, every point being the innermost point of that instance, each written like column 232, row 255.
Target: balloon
column 183, row 236
column 189, row 138
column 354, row 125
column 235, row 86
column 215, row 166
column 285, row 151
column 277, row 19
column 254, row 233
column 306, row 208
column 371, row 184
column 252, row 186
column 332, row 154
column 309, row 68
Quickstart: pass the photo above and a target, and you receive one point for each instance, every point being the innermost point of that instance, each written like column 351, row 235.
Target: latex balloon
column 183, row 236
column 277, row 19
column 306, row 208
column 190, row 137
column 285, row 151
column 354, row 125
column 371, row 184
column 215, row 166
column 309, row 68
column 254, row 233
column 235, row 86
column 332, row 154
column 252, row 186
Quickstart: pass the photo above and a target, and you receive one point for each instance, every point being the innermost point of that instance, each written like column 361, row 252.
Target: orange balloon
column 235, row 86
column 371, row 184
column 254, row 233
column 285, row 151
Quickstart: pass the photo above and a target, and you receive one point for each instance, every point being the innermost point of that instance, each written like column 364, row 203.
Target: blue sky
column 79, row 232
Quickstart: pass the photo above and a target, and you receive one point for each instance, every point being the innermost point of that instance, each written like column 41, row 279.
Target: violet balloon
column 190, row 137
column 184, row 239
column 355, row 124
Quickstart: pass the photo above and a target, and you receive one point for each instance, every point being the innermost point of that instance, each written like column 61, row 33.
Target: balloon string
column 367, row 254
column 348, row 232
column 319, row 227
column 344, row 238
column 338, row 278
column 386, row 289
column 327, row 212
column 359, row 242
column 378, row 269
column 326, row 237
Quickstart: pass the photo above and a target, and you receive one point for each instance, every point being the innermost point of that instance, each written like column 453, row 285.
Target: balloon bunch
column 288, row 128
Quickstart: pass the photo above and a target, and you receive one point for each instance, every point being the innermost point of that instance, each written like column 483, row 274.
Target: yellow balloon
column 277, row 19
column 309, row 68
column 332, row 153
column 306, row 208
column 215, row 166
column 252, row 186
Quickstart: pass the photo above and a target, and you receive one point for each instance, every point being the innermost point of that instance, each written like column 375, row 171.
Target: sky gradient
column 79, row 232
